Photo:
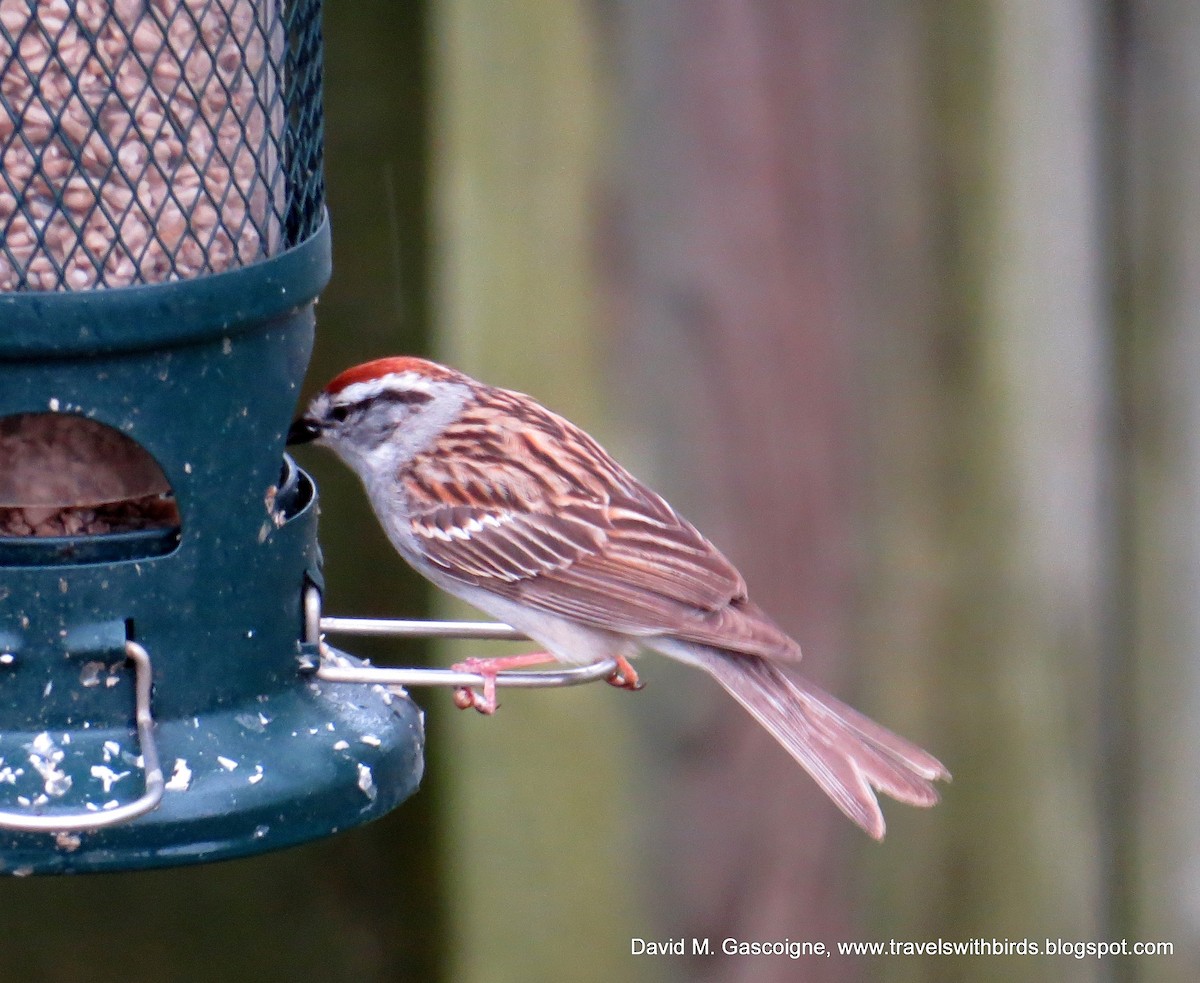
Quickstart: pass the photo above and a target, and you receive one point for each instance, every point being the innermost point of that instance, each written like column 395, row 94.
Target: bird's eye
column 339, row 413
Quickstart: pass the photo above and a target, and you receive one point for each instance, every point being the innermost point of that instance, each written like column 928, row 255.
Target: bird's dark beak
column 304, row 430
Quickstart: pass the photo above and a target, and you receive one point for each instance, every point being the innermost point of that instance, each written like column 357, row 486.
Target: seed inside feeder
column 66, row 475
column 139, row 140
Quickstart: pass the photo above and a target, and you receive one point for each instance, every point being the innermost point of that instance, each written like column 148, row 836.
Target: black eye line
column 411, row 397
column 407, row 397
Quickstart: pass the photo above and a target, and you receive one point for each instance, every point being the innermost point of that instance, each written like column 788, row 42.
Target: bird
column 510, row 507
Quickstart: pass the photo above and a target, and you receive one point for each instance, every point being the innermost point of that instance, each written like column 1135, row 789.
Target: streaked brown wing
column 617, row 556
column 492, row 546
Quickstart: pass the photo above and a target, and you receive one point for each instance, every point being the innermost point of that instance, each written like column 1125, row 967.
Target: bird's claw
column 466, row 698
column 624, row 676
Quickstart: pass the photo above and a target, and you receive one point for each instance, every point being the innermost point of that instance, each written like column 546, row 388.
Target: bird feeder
column 166, row 693
column 162, row 240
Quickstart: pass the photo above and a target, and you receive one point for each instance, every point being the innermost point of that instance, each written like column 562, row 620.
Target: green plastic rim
column 37, row 324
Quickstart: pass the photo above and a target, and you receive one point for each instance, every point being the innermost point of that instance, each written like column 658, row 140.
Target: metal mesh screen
column 143, row 141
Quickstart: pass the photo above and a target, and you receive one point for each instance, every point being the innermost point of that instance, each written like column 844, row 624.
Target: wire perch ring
column 335, row 664
column 154, row 783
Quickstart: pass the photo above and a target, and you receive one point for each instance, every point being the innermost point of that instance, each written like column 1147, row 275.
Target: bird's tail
column 847, row 753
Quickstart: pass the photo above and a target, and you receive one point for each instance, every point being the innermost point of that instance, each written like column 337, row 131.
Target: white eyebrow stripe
column 356, row 392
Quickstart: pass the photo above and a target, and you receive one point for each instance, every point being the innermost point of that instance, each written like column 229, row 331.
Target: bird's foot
column 466, row 698
column 625, row 676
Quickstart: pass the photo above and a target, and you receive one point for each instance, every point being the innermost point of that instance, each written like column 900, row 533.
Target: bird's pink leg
column 625, row 676
column 485, row 702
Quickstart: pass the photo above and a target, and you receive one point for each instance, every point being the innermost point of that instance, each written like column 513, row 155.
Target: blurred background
column 900, row 303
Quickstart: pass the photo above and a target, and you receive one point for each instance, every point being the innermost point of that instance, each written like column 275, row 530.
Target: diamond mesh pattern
column 143, row 141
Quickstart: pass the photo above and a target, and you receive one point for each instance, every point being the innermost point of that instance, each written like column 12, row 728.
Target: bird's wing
column 611, row 553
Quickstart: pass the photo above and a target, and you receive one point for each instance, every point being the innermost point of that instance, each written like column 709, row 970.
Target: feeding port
column 66, row 475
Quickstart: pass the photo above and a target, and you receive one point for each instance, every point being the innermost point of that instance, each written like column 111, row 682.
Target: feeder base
column 292, row 767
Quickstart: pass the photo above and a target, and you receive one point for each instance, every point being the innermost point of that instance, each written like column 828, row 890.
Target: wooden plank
column 539, row 851
column 993, row 559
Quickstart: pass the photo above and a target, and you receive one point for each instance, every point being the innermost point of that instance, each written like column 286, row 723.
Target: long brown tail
column 847, row 753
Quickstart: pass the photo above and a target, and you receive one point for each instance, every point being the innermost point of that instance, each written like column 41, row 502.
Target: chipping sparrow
column 521, row 514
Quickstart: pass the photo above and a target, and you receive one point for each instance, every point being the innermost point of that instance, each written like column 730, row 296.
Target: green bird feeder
column 163, row 238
